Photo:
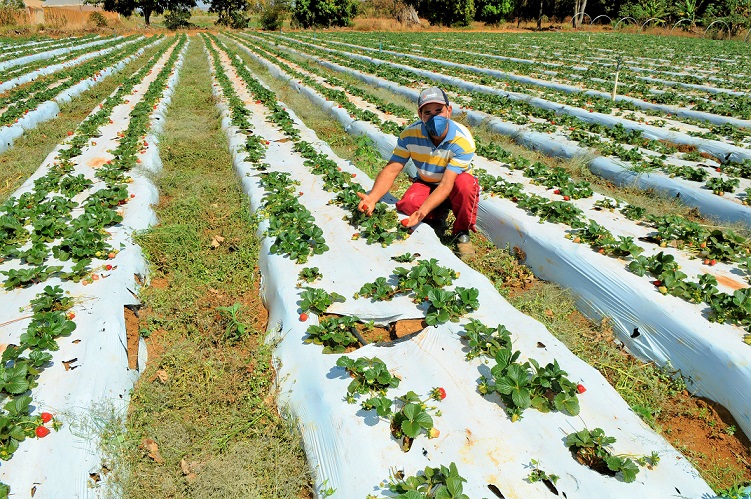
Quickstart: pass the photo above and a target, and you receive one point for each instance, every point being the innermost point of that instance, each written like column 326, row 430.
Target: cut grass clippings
column 203, row 420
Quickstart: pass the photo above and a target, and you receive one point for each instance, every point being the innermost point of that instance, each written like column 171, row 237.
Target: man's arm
column 383, row 183
column 438, row 196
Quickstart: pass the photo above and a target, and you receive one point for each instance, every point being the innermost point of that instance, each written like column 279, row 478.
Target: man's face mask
column 436, row 125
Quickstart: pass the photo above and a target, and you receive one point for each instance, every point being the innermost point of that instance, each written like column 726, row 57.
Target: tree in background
column 447, row 12
column 494, row 11
column 735, row 13
column 9, row 9
column 147, row 7
column 273, row 14
column 231, row 13
column 641, row 10
column 324, row 13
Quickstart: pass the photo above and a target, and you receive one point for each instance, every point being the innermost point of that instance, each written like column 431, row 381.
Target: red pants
column 462, row 200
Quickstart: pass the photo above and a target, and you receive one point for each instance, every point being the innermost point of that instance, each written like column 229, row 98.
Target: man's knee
column 466, row 184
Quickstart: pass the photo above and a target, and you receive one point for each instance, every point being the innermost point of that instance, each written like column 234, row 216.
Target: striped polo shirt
column 455, row 152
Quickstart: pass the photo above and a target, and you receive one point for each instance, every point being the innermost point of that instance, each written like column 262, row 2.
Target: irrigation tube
column 652, row 326
column 49, row 109
column 475, row 433
column 705, row 201
column 678, row 111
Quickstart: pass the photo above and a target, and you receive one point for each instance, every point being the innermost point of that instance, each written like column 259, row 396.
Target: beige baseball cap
column 432, row 94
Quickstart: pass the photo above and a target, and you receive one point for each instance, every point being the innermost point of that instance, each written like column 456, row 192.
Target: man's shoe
column 464, row 245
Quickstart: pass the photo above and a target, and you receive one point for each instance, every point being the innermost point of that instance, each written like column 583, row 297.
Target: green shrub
column 98, row 19
column 178, row 18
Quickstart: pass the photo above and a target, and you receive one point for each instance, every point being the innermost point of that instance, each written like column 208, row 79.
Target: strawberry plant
column 623, row 246
column 15, row 425
column 633, row 212
column 318, row 300
column 309, row 274
column 591, row 448
column 26, row 277
column 484, row 340
column 523, row 385
column 333, row 333
column 406, row 257
column 410, row 419
column 381, row 227
column 607, row 204
column 446, row 305
column 424, row 282
column 370, row 376
column 539, row 475
column 433, row 483
column 720, row 185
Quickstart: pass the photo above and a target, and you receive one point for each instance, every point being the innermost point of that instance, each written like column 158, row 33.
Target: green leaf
column 411, row 429
column 567, row 403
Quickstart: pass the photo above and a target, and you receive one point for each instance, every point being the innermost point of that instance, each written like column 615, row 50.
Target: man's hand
column 413, row 219
column 367, row 203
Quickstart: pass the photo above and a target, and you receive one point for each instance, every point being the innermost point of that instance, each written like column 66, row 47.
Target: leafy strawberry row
column 48, row 215
column 68, row 56
column 52, row 317
column 290, row 224
column 586, row 133
column 43, row 89
column 382, row 227
column 473, row 67
column 56, row 44
column 709, row 245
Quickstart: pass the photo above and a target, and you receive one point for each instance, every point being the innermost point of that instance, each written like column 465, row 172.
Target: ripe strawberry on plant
column 438, row 393
column 46, row 417
column 303, row 317
column 580, row 388
column 42, row 431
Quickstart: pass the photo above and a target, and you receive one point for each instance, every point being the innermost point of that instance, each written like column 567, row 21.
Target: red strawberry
column 580, row 388
column 718, row 169
column 657, row 283
column 303, row 317
column 70, row 316
column 441, row 392
column 46, row 417
column 405, row 221
column 108, row 267
column 132, row 195
column 557, row 191
column 566, row 198
column 42, row 432
column 354, row 175
column 713, row 262
column 70, row 133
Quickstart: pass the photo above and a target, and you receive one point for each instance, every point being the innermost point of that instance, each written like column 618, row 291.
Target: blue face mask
column 436, row 125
